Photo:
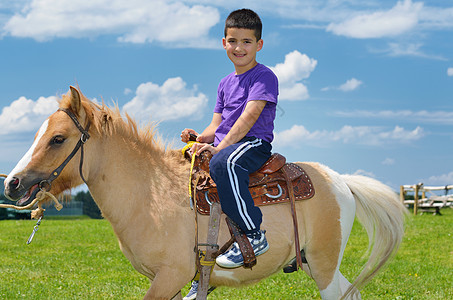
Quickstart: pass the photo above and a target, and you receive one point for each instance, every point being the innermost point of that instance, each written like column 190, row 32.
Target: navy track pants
column 230, row 169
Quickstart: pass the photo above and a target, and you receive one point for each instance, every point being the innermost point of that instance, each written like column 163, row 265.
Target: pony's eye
column 57, row 140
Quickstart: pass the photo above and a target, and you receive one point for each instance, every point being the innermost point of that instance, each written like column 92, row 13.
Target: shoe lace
column 194, row 285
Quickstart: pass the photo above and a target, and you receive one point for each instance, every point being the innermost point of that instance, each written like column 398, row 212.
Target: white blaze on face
column 27, row 157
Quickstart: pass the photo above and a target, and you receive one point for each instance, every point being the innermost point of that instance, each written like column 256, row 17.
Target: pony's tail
column 382, row 214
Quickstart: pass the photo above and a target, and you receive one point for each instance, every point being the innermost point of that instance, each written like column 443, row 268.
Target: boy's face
column 241, row 47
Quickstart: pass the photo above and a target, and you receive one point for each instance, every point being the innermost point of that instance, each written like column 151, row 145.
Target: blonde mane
column 109, row 121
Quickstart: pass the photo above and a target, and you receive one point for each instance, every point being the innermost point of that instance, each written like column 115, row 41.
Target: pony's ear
column 76, row 103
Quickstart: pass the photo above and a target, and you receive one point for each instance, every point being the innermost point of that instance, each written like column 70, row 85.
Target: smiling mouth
column 29, row 196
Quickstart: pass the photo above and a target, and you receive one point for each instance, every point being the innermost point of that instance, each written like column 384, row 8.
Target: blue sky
column 366, row 87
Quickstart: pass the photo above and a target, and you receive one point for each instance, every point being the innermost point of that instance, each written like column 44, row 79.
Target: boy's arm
column 244, row 123
column 242, row 126
column 207, row 136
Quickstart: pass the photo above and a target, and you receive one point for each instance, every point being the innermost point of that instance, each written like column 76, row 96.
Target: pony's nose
column 13, row 184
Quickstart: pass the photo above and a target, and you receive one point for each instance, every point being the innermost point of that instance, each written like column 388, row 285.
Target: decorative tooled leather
column 261, row 184
column 244, row 244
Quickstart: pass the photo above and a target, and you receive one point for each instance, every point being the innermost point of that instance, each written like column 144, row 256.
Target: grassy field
column 80, row 259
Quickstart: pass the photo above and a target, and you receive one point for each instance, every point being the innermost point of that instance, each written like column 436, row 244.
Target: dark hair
column 244, row 18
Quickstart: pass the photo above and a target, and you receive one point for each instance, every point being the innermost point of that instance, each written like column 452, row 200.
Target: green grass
column 79, row 258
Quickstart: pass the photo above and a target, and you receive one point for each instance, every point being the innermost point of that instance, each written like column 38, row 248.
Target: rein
column 192, row 163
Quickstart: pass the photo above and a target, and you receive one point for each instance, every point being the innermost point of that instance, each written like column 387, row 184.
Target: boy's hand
column 188, row 134
column 200, row 147
column 185, row 134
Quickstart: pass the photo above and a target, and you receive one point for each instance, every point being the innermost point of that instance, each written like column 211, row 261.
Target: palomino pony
column 141, row 189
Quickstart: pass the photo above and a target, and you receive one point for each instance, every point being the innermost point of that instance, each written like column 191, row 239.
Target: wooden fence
column 428, row 201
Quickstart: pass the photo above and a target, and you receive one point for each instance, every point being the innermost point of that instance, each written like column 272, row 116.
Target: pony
column 140, row 186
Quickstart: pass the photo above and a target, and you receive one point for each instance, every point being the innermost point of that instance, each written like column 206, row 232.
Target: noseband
column 47, row 183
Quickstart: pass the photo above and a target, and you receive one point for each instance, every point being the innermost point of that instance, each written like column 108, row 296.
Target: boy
column 241, row 130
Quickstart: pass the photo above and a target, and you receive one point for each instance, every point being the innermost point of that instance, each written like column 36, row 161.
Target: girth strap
column 293, row 213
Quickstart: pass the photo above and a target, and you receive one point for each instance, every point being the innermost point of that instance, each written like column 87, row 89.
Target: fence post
column 402, row 193
column 416, row 189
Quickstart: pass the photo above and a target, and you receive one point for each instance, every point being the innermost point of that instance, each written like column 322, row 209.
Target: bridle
column 46, row 184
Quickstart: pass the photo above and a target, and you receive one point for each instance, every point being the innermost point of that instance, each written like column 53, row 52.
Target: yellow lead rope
column 189, row 145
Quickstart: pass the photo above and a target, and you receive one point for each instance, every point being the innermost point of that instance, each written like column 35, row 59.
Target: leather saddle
column 275, row 182
column 268, row 185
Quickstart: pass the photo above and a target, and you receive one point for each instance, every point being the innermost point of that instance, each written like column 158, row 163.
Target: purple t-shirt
column 258, row 83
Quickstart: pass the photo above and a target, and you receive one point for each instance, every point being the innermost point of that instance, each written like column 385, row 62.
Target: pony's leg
column 345, row 284
column 337, row 288
column 166, row 285
column 149, row 295
column 324, row 251
column 177, row 297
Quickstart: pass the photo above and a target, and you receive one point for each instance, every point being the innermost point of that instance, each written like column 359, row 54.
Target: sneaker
column 233, row 258
column 192, row 294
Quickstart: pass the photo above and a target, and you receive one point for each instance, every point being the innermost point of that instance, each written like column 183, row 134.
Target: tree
column 2, row 191
column 90, row 207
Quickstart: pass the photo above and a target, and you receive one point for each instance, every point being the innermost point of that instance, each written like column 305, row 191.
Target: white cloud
column 134, row 21
column 25, row 115
column 437, row 17
column 422, row 116
column 374, row 136
column 291, row 72
column 403, row 17
column 350, row 85
column 388, row 161
column 402, row 50
column 364, row 173
column 315, row 13
column 288, row 136
column 171, row 101
column 442, row 179
column 450, row 71
column 407, row 49
column 129, row 18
